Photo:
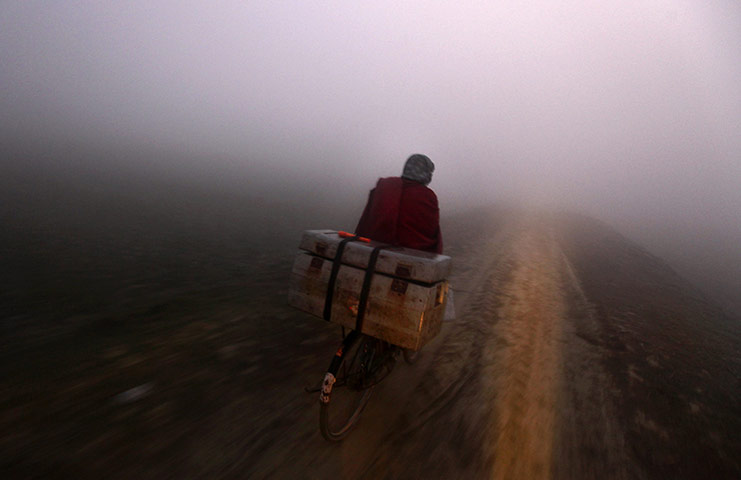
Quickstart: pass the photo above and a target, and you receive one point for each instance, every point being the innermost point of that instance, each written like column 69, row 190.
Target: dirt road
column 497, row 393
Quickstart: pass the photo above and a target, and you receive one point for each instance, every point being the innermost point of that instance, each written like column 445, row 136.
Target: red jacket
column 402, row 212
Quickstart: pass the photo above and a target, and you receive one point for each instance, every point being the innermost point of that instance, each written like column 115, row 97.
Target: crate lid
column 400, row 262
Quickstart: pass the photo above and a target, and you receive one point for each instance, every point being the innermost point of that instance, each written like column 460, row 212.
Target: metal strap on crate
column 366, row 285
column 333, row 275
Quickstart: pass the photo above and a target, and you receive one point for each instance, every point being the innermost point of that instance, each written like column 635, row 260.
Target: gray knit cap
column 418, row 168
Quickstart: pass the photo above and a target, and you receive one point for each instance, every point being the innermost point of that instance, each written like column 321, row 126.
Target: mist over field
column 629, row 113
column 159, row 161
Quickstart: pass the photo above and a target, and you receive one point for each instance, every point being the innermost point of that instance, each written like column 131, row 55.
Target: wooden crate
column 424, row 267
column 402, row 309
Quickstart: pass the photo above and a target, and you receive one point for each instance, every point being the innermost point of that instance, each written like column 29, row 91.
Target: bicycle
column 360, row 363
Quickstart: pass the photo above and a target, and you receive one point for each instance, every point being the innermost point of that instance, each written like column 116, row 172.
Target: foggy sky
column 622, row 108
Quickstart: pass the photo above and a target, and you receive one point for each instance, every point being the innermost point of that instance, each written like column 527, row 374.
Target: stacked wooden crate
column 407, row 293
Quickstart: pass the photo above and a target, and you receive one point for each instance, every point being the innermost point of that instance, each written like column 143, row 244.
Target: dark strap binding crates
column 406, row 289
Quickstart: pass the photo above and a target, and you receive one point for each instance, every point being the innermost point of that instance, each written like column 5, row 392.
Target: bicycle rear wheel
column 347, row 387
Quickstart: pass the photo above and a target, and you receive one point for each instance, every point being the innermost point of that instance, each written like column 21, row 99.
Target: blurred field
column 108, row 287
column 145, row 335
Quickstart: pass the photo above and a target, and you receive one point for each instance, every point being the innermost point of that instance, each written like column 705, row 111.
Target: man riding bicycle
column 403, row 210
column 407, row 311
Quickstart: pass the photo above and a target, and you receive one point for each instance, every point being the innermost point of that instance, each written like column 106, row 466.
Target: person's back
column 403, row 210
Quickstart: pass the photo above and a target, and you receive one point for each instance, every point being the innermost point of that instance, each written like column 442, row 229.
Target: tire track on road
column 527, row 369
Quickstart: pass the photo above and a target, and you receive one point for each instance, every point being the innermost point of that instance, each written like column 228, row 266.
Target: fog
column 629, row 112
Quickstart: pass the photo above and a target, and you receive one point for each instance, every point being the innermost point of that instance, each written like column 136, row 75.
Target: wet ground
column 574, row 354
